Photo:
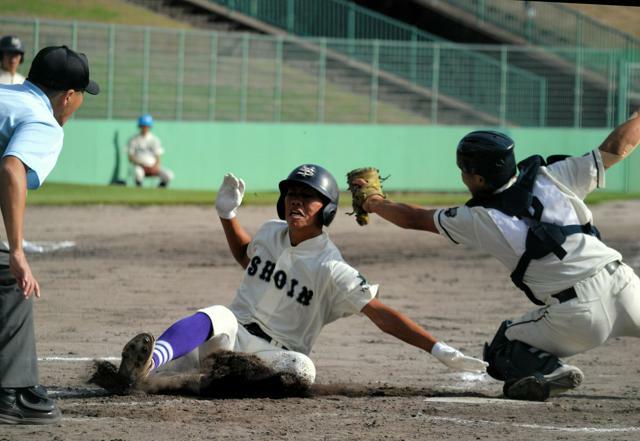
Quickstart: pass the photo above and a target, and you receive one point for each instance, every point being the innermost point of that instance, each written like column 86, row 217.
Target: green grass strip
column 105, row 11
column 72, row 194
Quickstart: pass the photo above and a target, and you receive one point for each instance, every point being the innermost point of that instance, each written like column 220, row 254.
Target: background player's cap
column 61, row 68
column 145, row 120
column 11, row 44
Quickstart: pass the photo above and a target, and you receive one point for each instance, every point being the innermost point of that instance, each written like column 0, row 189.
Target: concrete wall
column 199, row 153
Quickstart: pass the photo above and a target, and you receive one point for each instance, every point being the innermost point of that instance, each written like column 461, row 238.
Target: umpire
column 31, row 119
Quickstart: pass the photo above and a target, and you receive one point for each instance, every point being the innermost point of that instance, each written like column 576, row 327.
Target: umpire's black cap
column 61, row 68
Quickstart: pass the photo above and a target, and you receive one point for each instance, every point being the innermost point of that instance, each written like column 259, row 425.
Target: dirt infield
column 140, row 269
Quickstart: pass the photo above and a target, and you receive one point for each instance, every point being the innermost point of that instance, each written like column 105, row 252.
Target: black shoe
column 163, row 184
column 27, row 405
column 539, row 387
column 138, row 183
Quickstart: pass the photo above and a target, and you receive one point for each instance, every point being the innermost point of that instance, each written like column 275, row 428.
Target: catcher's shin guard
column 491, row 353
column 529, row 373
column 137, row 358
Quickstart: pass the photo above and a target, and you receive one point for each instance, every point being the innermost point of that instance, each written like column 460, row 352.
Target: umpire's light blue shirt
column 29, row 131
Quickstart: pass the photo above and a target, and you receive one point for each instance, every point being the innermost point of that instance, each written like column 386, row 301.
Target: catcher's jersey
column 145, row 149
column 292, row 292
column 561, row 187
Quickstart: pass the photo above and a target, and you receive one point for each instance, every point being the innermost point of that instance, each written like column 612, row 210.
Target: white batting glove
column 456, row 360
column 229, row 196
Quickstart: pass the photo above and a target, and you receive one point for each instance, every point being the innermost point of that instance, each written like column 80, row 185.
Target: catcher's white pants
column 607, row 305
column 229, row 335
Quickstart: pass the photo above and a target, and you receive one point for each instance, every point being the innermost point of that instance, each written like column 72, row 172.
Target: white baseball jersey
column 145, row 149
column 8, row 78
column 561, row 188
column 293, row 292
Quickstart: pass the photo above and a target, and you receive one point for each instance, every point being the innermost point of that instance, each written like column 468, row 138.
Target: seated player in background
column 295, row 283
column 145, row 150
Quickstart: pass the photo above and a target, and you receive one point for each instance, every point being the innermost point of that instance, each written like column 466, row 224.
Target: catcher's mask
column 321, row 181
column 488, row 154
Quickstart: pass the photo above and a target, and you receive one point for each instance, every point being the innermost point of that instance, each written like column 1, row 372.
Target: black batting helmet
column 321, row 181
column 488, row 154
column 12, row 44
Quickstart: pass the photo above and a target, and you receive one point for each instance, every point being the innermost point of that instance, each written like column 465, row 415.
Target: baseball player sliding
column 538, row 226
column 295, row 283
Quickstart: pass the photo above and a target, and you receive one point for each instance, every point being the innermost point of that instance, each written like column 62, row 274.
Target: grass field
column 103, row 11
column 70, row 194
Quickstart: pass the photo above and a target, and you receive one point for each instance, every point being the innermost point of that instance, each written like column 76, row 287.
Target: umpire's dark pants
column 18, row 360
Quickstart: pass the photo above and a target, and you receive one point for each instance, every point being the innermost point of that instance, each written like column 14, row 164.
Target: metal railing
column 549, row 24
column 328, row 18
column 207, row 76
column 345, row 20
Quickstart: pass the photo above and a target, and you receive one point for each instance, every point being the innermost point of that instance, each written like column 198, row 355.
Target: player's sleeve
column 131, row 146
column 157, row 146
column 456, row 224
column 37, row 145
column 581, row 174
column 352, row 291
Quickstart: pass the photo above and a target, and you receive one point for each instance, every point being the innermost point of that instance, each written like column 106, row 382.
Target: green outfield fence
column 210, row 76
column 418, row 157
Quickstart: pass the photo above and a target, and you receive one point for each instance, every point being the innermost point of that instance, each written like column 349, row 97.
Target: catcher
column 538, row 226
column 295, row 283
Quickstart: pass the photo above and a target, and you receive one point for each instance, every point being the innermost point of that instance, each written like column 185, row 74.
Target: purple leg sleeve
column 181, row 338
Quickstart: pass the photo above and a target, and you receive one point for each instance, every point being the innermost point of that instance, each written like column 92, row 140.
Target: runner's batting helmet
column 321, row 181
column 488, row 154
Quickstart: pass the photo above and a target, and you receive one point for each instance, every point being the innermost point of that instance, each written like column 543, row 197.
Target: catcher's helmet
column 488, row 154
column 12, row 44
column 320, row 180
column 145, row 120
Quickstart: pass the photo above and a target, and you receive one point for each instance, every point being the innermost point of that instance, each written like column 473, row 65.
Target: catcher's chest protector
column 542, row 238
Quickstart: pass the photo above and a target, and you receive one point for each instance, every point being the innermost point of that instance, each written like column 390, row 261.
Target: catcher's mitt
column 363, row 183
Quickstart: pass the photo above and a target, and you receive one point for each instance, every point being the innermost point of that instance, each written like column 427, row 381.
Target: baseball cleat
column 539, row 387
column 137, row 360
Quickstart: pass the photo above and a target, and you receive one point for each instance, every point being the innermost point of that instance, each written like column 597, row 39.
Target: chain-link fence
column 200, row 75
column 344, row 20
column 548, row 24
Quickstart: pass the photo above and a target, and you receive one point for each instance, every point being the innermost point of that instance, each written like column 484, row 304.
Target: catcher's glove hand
column 364, row 183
